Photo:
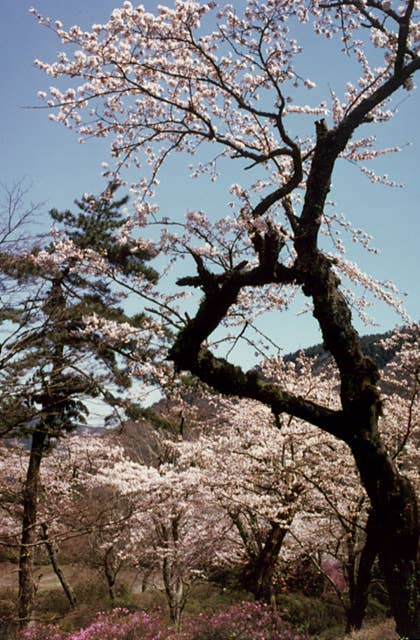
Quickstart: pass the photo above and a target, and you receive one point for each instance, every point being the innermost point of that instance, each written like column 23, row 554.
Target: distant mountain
column 140, row 437
column 372, row 346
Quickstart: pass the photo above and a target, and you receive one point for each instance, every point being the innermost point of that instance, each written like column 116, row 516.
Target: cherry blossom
column 213, row 85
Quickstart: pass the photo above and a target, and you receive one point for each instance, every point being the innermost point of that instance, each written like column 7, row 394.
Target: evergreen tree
column 53, row 361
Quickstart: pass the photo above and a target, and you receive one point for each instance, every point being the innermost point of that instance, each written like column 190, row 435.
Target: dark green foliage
column 95, row 226
column 311, row 615
column 228, row 577
column 53, row 358
column 50, row 363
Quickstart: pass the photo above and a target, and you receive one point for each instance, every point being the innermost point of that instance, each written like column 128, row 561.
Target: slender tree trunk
column 110, row 575
column 145, row 579
column 258, row 574
column 175, row 593
column 111, row 588
column 26, row 594
column 57, row 569
column 360, row 583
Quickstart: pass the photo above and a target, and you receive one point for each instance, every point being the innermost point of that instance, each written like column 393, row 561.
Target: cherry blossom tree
column 251, row 468
column 172, row 528
column 96, row 514
column 342, row 519
column 294, row 496
column 275, row 479
column 67, row 507
column 219, row 84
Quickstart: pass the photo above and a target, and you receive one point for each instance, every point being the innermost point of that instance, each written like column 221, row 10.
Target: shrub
column 114, row 625
column 8, row 614
column 91, row 590
column 311, row 615
column 227, row 577
column 300, row 576
column 121, row 625
column 208, row 597
column 244, row 621
column 79, row 617
column 42, row 632
column 52, row 601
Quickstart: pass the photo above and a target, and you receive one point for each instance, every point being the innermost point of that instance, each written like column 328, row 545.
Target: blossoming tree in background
column 161, row 520
column 220, row 85
column 278, row 483
column 258, row 470
column 243, row 490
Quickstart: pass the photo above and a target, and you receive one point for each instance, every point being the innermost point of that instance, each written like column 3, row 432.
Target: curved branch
column 358, row 115
column 232, row 380
column 187, row 353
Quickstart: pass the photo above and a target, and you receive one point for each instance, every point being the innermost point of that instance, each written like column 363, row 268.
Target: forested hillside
column 373, row 346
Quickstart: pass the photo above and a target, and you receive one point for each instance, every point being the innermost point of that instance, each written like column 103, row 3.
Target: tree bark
column 26, row 594
column 360, row 581
column 394, row 510
column 110, row 575
column 392, row 498
column 175, row 592
column 258, row 573
column 57, row 569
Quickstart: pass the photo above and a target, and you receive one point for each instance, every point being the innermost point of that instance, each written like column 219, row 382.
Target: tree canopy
column 217, row 84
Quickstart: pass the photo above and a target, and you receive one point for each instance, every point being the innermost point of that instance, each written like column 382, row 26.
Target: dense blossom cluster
column 214, row 497
column 202, row 74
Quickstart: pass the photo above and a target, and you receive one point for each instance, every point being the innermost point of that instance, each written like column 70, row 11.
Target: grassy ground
column 381, row 630
column 319, row 619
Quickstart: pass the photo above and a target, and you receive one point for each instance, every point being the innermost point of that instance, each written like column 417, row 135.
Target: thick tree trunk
column 393, row 501
column 57, row 569
column 399, row 561
column 258, row 573
column 26, row 594
column 395, row 532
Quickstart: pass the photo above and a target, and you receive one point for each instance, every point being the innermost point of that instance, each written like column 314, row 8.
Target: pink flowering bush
column 243, row 621
column 117, row 625
column 42, row 632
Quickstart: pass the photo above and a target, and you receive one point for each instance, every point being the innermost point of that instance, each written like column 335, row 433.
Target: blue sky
column 60, row 169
